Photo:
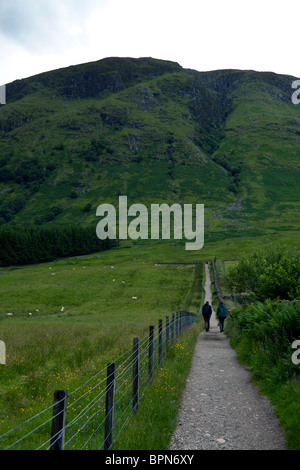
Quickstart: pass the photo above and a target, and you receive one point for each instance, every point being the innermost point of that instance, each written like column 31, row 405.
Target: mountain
column 73, row 138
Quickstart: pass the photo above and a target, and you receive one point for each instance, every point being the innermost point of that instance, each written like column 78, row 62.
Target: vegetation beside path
column 265, row 332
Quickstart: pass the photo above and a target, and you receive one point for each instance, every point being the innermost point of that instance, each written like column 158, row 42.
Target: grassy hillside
column 77, row 137
column 149, row 129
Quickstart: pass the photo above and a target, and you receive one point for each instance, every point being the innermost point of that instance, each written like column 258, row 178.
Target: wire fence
column 94, row 415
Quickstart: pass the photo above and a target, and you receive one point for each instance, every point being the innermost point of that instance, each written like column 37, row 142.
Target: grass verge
column 151, row 428
column 269, row 359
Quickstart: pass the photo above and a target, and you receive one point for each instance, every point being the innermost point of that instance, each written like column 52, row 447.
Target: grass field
column 83, row 315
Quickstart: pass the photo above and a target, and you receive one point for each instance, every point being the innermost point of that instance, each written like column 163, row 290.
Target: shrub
column 267, row 275
column 281, row 279
column 87, row 207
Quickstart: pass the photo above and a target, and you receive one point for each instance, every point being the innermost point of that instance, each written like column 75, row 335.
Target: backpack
column 222, row 311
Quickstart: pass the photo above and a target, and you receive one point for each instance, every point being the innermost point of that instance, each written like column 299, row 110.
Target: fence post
column 177, row 321
column 135, row 373
column 167, row 329
column 160, row 345
column 150, row 363
column 172, row 327
column 58, row 420
column 109, row 409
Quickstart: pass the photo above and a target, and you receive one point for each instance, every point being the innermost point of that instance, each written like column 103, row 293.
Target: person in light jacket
column 206, row 312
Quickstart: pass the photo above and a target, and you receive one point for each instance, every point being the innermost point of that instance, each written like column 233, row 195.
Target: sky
column 42, row 35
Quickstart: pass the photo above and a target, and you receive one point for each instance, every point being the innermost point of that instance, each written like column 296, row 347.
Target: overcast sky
column 42, row 35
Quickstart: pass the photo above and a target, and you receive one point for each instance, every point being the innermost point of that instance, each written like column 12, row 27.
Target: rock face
column 92, row 79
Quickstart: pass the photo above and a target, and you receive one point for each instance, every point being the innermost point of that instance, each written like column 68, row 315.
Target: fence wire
column 86, row 406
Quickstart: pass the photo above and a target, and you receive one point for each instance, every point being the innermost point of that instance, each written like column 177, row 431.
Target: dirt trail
column 221, row 408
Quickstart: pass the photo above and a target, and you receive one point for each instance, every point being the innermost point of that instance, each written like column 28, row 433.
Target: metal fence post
column 58, row 420
column 135, row 373
column 150, row 363
column 160, row 344
column 109, row 409
column 167, row 329
column 172, row 327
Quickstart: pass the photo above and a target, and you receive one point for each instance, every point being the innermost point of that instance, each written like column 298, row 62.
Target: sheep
column 134, row 298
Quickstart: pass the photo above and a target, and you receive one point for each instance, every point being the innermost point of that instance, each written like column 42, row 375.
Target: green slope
column 74, row 138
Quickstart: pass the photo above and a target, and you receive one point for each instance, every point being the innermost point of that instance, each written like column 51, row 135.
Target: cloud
column 43, row 25
column 42, row 35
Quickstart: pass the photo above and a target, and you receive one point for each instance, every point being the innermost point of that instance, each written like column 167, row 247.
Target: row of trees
column 36, row 244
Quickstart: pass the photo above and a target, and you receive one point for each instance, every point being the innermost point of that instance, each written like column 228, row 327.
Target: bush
column 281, row 279
column 273, row 319
column 275, row 274
column 263, row 334
column 87, row 207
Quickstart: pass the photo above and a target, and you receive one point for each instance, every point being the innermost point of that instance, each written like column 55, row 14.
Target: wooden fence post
column 135, row 373
column 109, row 409
column 58, row 420
column 167, row 329
column 150, row 363
column 177, row 326
column 172, row 327
column 160, row 344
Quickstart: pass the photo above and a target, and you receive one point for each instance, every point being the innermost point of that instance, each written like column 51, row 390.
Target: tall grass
column 61, row 348
column 262, row 334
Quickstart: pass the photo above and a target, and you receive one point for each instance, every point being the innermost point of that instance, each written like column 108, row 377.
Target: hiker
column 206, row 312
column 221, row 314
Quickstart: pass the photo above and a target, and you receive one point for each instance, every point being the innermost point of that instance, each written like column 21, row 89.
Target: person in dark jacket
column 206, row 312
column 221, row 314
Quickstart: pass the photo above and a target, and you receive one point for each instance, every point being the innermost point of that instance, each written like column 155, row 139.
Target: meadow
column 74, row 315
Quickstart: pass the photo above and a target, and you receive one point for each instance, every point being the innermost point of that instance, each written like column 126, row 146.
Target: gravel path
column 221, row 408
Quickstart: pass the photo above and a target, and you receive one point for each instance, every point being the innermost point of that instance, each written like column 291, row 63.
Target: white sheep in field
column 134, row 298
column 10, row 314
